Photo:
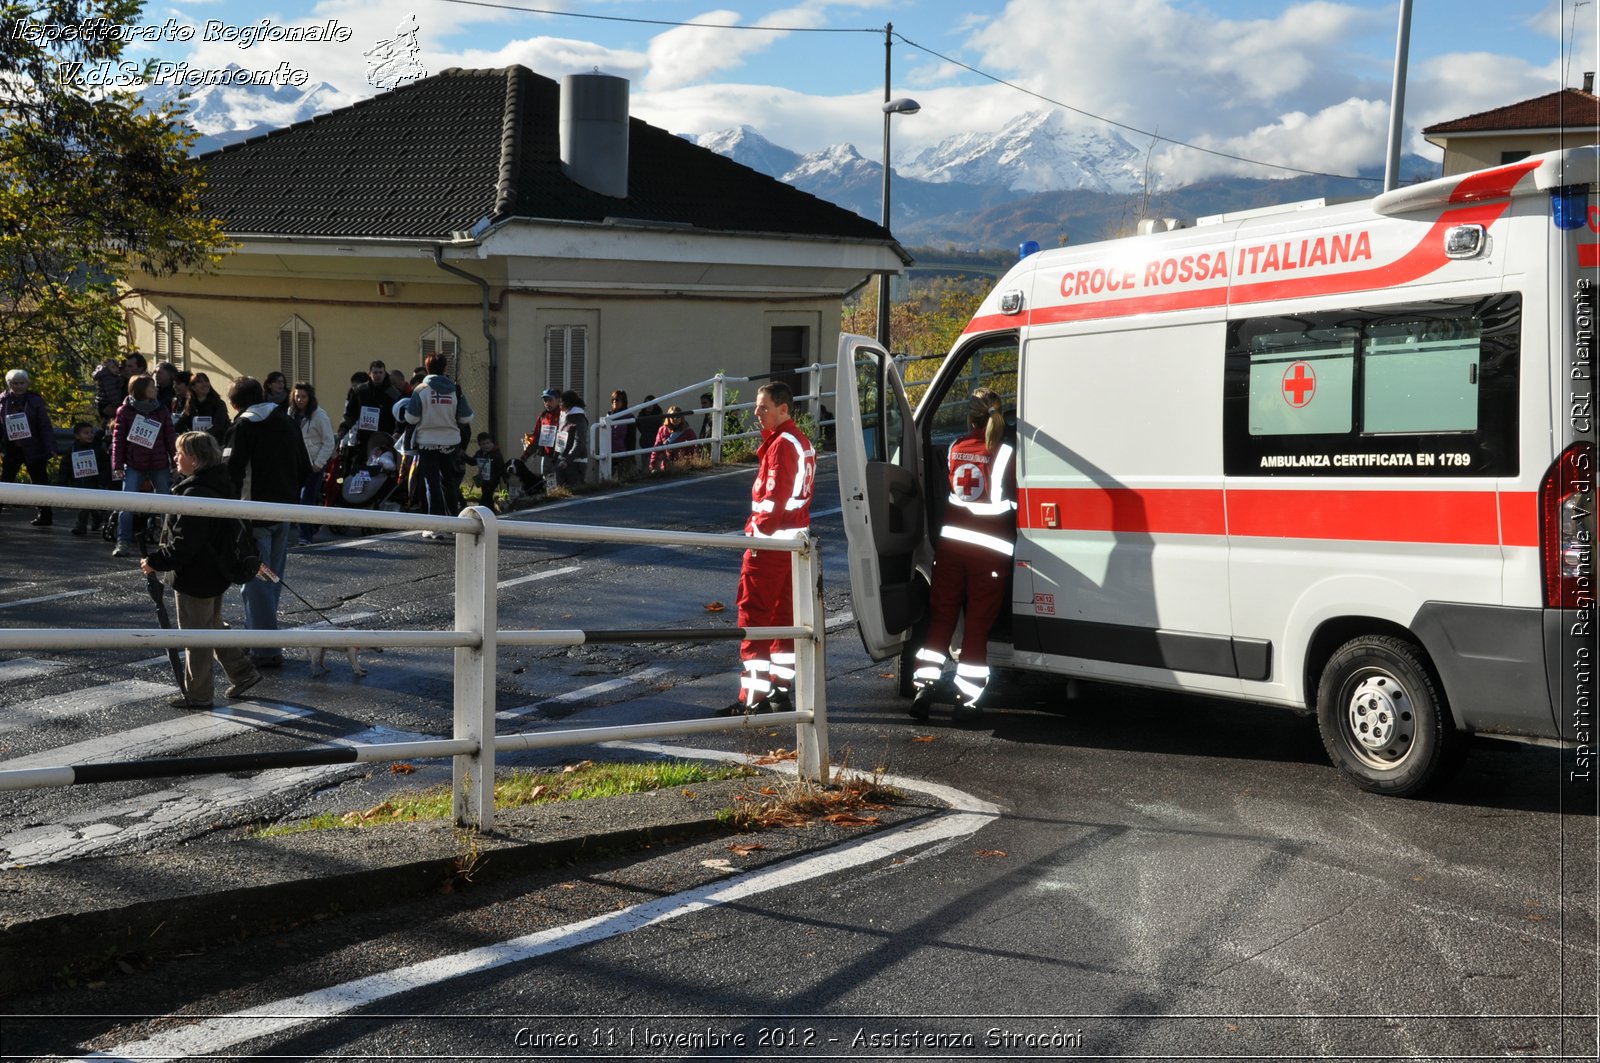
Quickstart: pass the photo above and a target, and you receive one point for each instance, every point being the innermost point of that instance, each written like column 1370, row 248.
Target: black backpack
column 243, row 559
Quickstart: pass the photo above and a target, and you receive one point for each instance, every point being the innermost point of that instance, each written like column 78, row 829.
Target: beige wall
column 232, row 325
column 1466, row 154
column 642, row 344
column 653, row 346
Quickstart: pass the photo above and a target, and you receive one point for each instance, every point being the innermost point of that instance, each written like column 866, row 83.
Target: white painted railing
column 475, row 640
column 810, row 400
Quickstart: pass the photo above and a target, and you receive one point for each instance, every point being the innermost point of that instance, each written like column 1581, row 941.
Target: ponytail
column 986, row 410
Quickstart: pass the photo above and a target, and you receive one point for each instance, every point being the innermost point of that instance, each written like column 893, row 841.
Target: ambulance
column 1335, row 458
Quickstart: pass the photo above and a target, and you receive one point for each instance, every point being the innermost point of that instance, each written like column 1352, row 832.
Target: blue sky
column 1304, row 84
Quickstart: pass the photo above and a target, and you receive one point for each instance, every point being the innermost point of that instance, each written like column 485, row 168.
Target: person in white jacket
column 439, row 410
column 317, row 430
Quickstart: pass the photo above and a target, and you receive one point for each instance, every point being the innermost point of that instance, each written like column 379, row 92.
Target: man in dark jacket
column 194, row 550
column 267, row 459
column 370, row 407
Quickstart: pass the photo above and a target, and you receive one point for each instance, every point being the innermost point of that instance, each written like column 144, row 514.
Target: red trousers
column 766, row 599
column 969, row 575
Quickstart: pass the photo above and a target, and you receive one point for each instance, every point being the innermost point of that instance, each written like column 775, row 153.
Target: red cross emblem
column 969, row 481
column 1299, row 384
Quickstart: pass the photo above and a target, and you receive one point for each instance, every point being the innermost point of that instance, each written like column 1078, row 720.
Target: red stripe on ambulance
column 1486, row 518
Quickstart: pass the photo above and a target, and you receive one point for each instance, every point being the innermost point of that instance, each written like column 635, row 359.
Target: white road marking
column 45, row 598
column 165, row 736
column 843, row 618
column 826, row 512
column 215, row 1035
column 192, row 803
column 594, row 690
column 81, row 702
column 346, row 618
column 503, row 584
column 28, row 668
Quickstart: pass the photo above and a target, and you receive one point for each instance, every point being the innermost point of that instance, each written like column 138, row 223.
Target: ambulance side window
column 991, row 363
column 1412, row 389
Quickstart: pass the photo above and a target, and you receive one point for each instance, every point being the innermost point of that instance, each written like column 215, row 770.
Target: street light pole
column 890, row 107
column 1397, row 99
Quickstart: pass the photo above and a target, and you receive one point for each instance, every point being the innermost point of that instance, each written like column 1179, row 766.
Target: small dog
column 319, row 661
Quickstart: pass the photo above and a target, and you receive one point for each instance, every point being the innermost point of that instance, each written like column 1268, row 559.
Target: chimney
column 1588, row 82
column 594, row 132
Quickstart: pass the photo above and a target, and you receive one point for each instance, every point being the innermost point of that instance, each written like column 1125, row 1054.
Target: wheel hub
column 1380, row 714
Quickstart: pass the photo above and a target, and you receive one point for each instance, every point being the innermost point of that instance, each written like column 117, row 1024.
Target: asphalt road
column 1136, row 875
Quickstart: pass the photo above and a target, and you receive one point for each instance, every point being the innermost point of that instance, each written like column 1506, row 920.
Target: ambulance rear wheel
column 904, row 665
column 1382, row 719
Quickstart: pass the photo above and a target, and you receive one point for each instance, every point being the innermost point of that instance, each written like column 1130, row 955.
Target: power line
column 921, row 48
column 1123, row 125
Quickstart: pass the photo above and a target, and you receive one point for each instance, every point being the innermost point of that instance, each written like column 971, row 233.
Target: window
column 991, row 364
column 565, row 356
column 294, row 350
column 172, row 340
column 1412, row 389
column 440, row 340
column 790, row 346
column 1509, row 157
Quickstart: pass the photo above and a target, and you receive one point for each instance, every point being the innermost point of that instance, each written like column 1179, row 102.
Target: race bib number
column 201, row 424
column 84, row 464
column 485, row 469
column 562, row 437
column 547, row 435
column 144, row 432
column 369, row 419
column 17, row 427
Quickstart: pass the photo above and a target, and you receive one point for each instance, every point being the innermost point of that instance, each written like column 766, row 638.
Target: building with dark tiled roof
column 527, row 227
column 1568, row 118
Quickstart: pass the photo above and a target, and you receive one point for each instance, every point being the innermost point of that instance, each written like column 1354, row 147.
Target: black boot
column 42, row 519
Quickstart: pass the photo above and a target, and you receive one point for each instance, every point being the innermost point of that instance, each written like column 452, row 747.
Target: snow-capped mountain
column 748, row 148
column 1040, row 151
column 225, row 114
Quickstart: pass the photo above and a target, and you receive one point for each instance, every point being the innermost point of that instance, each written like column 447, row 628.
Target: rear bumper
column 1514, row 671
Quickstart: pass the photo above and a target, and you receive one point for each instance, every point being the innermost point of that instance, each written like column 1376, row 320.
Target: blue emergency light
column 1569, row 206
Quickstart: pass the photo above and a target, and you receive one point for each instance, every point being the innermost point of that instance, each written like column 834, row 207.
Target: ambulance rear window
column 1412, row 389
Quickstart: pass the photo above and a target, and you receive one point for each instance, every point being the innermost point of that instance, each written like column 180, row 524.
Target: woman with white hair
column 29, row 437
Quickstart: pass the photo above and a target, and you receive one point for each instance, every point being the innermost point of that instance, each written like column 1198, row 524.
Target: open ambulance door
column 880, row 487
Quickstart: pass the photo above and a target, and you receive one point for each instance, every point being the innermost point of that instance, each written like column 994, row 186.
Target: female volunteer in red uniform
column 973, row 556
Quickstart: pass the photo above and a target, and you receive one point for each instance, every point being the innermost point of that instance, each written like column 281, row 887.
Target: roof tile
column 439, row 155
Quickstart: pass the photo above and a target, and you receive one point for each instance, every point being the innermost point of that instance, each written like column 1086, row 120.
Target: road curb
column 72, row 919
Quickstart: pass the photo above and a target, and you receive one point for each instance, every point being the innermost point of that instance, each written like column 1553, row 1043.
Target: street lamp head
column 904, row 105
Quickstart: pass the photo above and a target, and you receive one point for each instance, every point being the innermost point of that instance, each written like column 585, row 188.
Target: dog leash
column 272, row 577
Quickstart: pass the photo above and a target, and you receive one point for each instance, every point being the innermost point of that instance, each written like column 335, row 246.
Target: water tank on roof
column 594, row 132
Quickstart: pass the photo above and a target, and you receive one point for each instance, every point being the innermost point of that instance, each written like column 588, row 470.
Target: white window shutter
column 178, row 342
column 295, row 350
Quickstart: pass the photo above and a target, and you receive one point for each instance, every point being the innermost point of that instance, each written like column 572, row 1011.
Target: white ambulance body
column 1337, row 459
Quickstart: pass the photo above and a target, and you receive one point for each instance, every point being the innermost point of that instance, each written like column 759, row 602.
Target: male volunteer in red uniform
column 973, row 556
column 780, row 508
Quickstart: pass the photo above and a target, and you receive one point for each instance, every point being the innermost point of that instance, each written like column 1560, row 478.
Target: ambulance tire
column 1382, row 720
column 904, row 665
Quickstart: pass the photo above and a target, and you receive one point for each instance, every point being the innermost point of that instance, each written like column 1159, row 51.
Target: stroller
column 366, row 482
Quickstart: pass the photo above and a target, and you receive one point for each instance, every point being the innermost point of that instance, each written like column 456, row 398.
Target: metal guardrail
column 475, row 640
column 720, row 408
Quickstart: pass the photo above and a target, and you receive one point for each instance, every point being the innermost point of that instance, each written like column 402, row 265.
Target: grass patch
column 576, row 782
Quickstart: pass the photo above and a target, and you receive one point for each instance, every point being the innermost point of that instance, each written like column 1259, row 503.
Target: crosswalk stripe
column 164, row 736
column 80, row 703
column 19, row 668
column 195, row 801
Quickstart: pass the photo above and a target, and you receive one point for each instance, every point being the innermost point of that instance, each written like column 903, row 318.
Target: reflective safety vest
column 780, row 500
column 983, row 494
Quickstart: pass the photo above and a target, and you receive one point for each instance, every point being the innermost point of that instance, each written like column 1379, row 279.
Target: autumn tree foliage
column 92, row 183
